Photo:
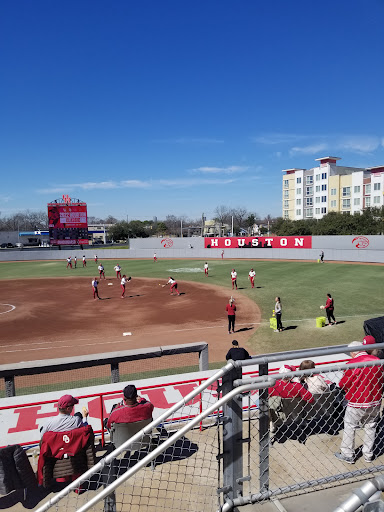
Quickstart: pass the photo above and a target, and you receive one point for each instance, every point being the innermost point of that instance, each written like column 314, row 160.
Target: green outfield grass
column 302, row 286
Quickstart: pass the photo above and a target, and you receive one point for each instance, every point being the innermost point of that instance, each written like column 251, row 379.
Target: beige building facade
column 312, row 193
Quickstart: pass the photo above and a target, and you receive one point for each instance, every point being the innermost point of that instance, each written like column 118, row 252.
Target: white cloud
column 5, row 199
column 223, row 170
column 309, row 150
column 313, row 144
column 359, row 144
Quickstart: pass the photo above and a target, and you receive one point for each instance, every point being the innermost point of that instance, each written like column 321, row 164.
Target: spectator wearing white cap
column 363, row 390
column 64, row 420
column 285, row 388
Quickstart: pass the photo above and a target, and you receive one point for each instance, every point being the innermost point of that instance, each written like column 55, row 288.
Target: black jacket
column 15, row 470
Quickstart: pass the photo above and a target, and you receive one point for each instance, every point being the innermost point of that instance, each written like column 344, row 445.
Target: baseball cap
column 355, row 344
column 66, row 401
column 287, row 368
column 369, row 340
column 130, row 391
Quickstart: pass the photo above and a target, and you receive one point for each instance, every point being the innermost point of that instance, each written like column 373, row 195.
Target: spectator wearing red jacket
column 363, row 390
column 286, row 388
column 132, row 408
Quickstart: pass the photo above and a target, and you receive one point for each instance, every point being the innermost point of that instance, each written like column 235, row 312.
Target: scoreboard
column 68, row 222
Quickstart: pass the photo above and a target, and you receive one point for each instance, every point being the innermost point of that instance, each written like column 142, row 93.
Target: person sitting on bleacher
column 64, row 421
column 316, row 384
column 132, row 408
column 287, row 388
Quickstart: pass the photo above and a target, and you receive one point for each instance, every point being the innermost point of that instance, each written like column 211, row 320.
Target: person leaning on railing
column 363, row 390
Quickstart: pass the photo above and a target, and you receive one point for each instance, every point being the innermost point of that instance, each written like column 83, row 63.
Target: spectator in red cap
column 363, row 391
column 370, row 340
column 64, row 420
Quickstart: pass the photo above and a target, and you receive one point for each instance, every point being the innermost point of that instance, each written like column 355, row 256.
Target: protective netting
column 304, row 434
column 98, row 375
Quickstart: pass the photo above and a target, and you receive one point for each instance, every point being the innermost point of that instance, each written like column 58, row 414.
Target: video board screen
column 68, row 223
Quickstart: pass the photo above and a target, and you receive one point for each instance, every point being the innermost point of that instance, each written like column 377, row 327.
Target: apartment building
column 312, row 193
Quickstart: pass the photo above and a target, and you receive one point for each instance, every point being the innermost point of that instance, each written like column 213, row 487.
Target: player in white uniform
column 118, row 271
column 251, row 275
column 206, row 269
column 173, row 284
column 95, row 284
column 84, row 261
column 101, row 271
column 124, row 281
column 69, row 262
column 234, row 278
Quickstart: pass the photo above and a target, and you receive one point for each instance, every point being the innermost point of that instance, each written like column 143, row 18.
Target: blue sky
column 150, row 108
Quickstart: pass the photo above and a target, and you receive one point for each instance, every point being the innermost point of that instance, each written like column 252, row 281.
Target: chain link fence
column 256, row 438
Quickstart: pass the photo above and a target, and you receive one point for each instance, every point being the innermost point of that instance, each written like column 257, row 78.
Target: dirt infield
column 53, row 318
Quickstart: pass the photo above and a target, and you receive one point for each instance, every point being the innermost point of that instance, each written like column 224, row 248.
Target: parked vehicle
column 19, row 245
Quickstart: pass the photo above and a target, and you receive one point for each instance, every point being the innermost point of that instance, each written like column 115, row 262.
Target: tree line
column 369, row 222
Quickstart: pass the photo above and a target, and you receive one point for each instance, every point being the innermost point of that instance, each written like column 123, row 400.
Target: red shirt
column 329, row 304
column 230, row 309
column 131, row 413
column 363, row 386
column 288, row 389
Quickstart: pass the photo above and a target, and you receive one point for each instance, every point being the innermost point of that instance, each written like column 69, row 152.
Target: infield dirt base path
column 56, row 318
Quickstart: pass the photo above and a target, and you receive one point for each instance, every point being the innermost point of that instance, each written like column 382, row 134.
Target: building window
column 323, row 187
column 333, row 191
column 376, row 199
column 346, row 191
column 323, row 199
column 356, row 201
column 323, row 210
column 367, row 190
column 298, row 212
column 376, row 186
column 317, row 211
column 309, row 180
column 317, row 199
column 298, row 202
column 367, row 202
column 317, row 177
column 308, row 191
column 317, row 189
column 286, row 183
column 298, row 180
column 357, row 189
column 346, row 203
column 286, row 194
column 324, row 176
column 298, row 191
column 286, row 214
column 333, row 203
column 309, row 201
column 286, row 204
column 309, row 212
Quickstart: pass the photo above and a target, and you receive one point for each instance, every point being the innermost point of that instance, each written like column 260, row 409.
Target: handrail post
column 115, row 374
column 263, row 432
column 232, row 438
column 9, row 383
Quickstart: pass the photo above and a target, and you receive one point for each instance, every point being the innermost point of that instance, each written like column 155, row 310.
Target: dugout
column 375, row 327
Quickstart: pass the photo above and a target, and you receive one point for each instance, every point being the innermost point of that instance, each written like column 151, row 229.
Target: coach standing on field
column 231, row 311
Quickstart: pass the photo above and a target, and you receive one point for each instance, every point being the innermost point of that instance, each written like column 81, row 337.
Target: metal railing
column 236, row 459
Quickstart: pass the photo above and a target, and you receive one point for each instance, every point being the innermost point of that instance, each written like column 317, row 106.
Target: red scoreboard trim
column 259, row 242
